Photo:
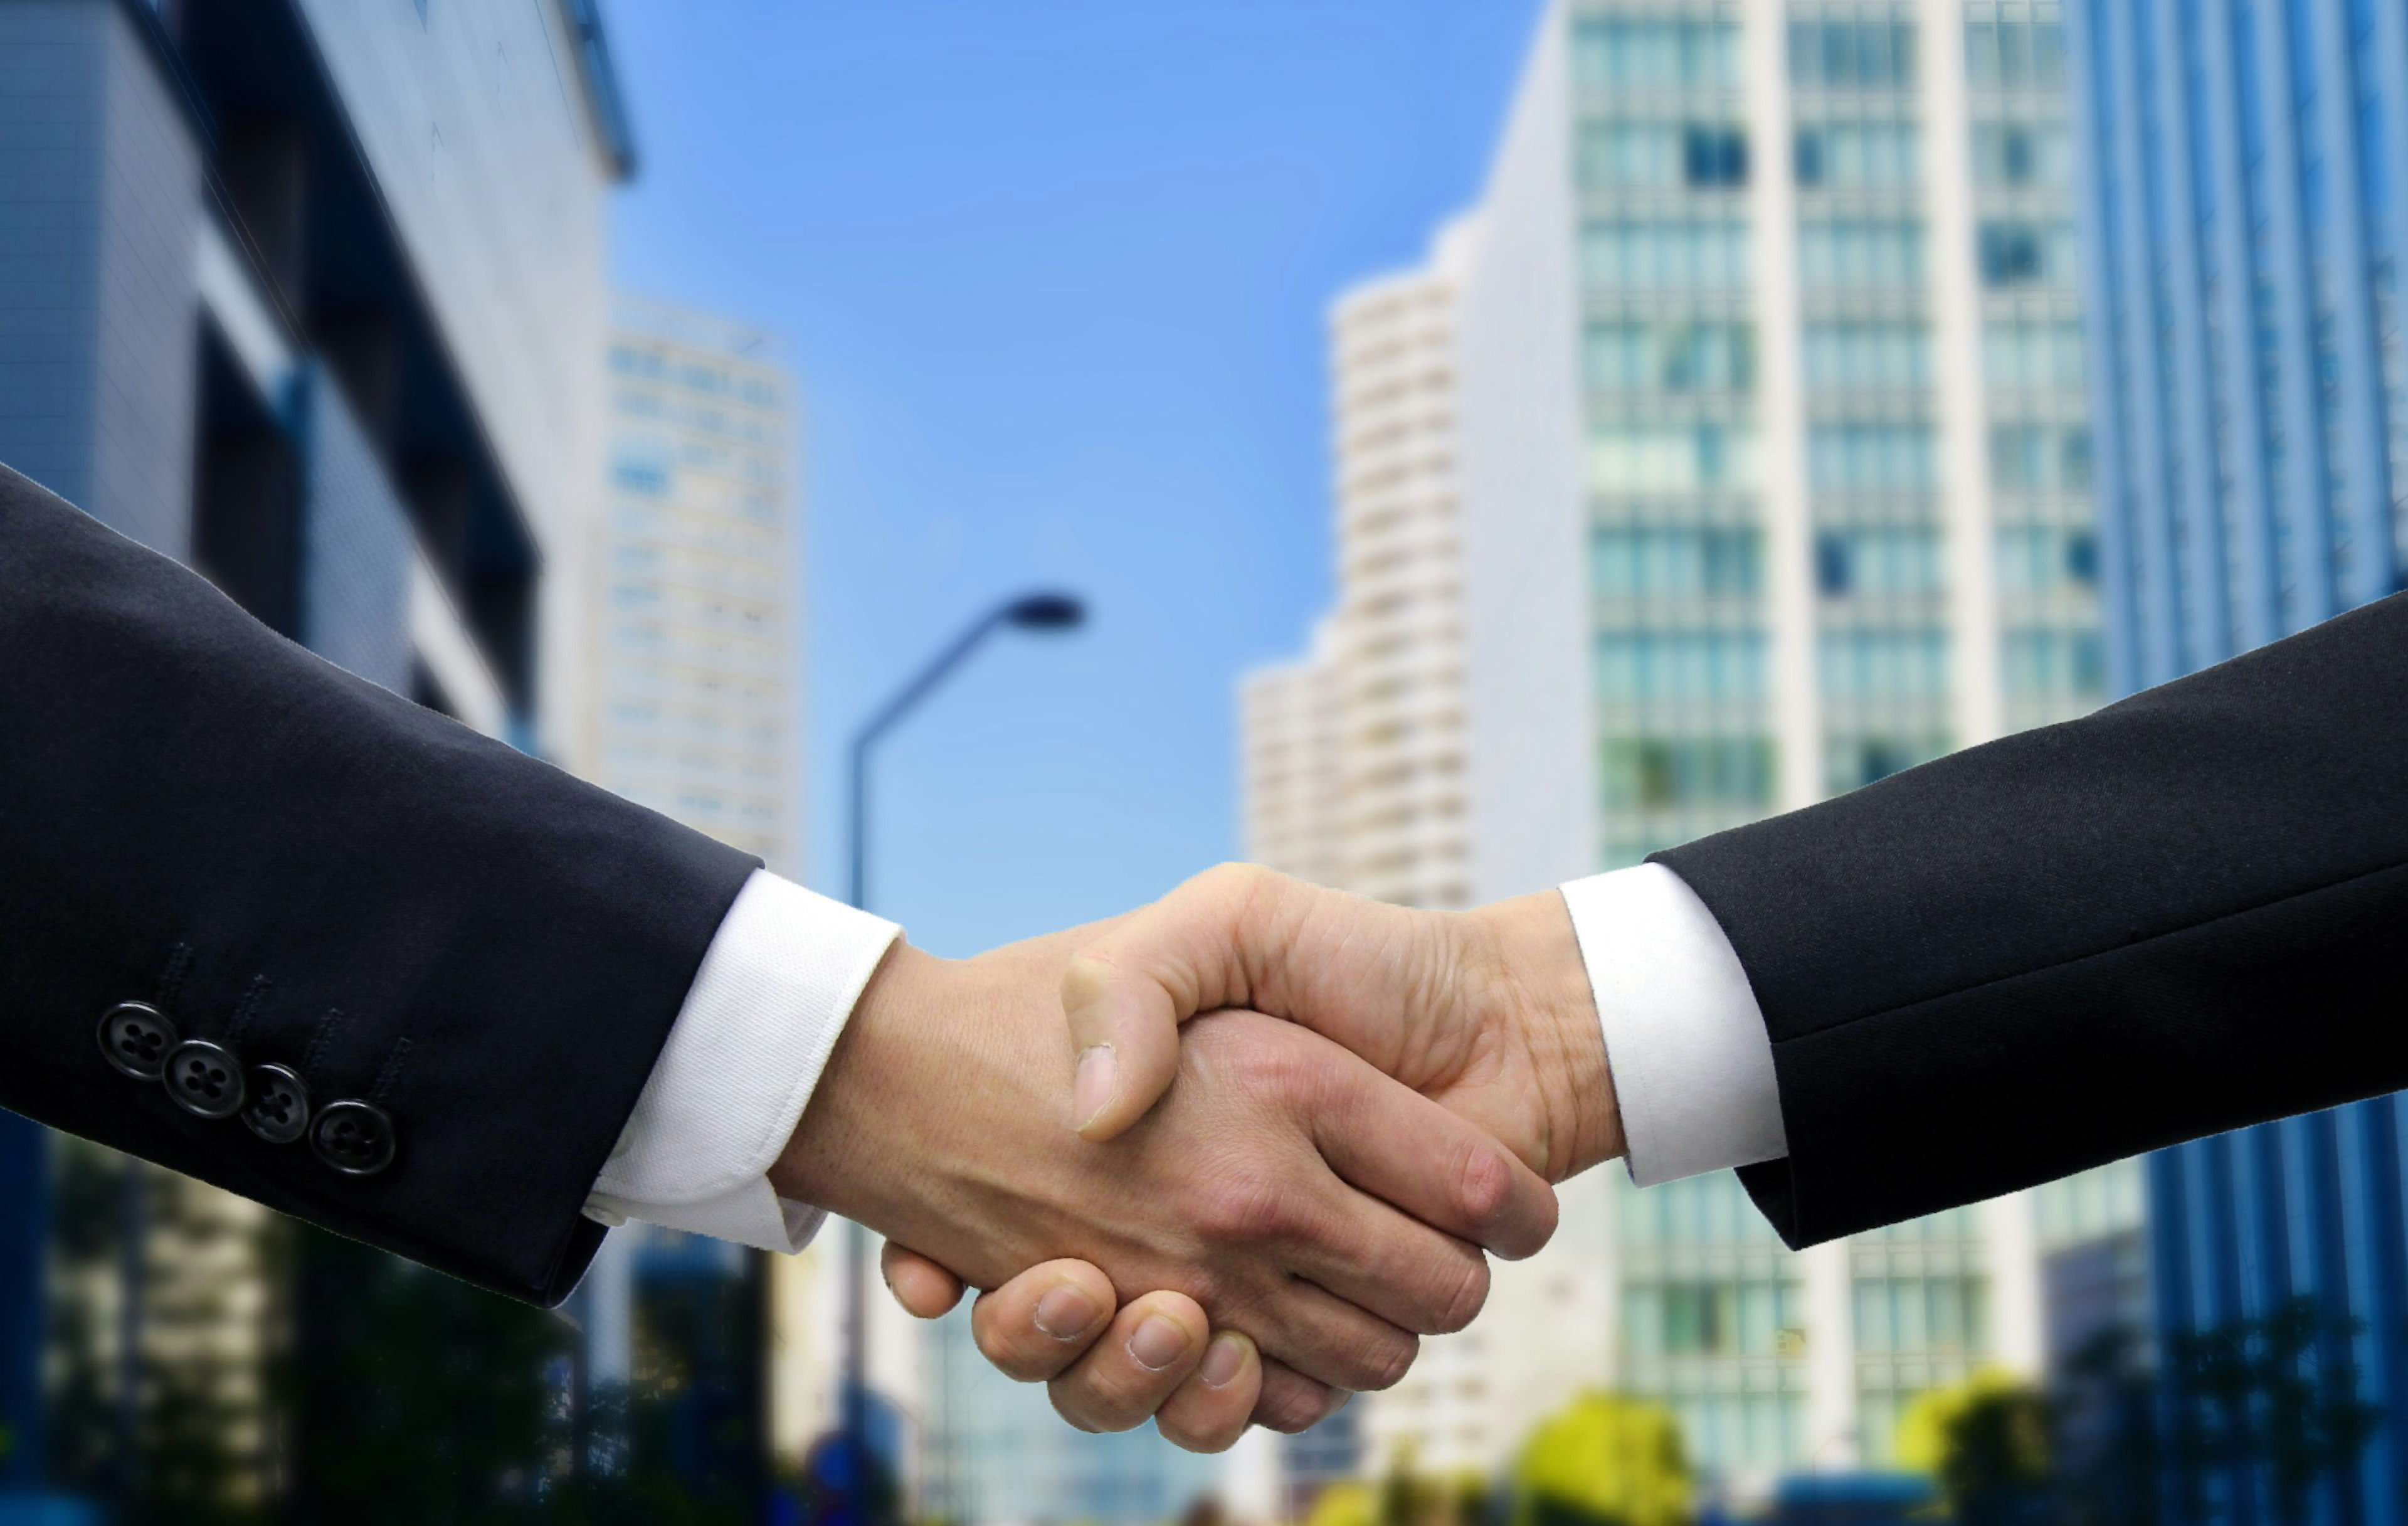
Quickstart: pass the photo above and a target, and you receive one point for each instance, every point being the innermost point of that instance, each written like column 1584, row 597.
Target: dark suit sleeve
column 2183, row 913
column 403, row 912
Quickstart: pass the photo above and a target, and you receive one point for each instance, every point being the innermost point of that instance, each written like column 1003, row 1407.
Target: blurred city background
column 1491, row 440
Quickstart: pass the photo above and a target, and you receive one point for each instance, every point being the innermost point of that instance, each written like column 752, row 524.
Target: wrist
column 1539, row 977
column 835, row 1157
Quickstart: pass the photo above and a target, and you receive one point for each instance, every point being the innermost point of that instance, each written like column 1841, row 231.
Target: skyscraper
column 2243, row 202
column 697, row 715
column 1769, row 450
column 697, row 678
column 1774, row 482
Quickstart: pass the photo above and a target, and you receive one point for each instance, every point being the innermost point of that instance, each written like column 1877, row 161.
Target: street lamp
column 1042, row 611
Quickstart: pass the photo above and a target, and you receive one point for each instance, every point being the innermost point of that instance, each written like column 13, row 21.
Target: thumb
column 1126, row 993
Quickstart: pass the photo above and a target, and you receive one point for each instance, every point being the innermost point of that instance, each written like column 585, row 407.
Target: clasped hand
column 1291, row 1122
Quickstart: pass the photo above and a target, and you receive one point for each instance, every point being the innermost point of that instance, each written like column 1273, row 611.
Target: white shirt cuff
column 774, row 989
column 1691, row 1060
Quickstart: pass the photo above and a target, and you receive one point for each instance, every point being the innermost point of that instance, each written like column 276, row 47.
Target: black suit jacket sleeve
column 402, row 911
column 2186, row 912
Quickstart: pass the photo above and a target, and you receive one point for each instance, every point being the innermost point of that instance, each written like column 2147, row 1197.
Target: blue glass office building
column 2246, row 185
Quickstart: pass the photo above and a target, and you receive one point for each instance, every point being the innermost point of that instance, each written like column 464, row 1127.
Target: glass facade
column 698, row 575
column 2246, row 173
column 1896, row 454
column 1662, row 165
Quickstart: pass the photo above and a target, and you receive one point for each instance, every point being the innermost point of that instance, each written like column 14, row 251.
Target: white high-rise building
column 1769, row 477
column 698, row 682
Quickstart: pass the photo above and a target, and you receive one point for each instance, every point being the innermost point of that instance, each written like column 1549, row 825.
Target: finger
column 1043, row 1319
column 1292, row 1401
column 1127, row 992
column 1154, row 1342
column 1209, row 1412
column 1398, row 1145
column 1330, row 1340
column 922, row 1288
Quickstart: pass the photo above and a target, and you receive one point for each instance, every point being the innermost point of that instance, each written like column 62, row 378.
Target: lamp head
column 1046, row 611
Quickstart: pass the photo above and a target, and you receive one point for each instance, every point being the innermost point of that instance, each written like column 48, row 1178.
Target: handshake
column 1285, row 1126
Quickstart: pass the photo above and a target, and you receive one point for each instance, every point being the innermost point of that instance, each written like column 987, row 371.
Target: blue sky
column 1054, row 274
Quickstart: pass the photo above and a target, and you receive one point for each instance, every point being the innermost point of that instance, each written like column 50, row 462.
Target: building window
column 1854, row 253
column 1873, row 154
column 1713, row 157
column 1852, row 55
column 1671, row 358
column 1611, row 51
column 1657, row 773
column 1871, row 457
column 2015, row 48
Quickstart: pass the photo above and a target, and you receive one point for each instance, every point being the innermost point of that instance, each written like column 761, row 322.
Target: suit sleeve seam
column 2136, row 944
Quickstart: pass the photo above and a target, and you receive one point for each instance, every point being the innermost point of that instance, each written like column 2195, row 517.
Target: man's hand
column 1488, row 1011
column 1298, row 1196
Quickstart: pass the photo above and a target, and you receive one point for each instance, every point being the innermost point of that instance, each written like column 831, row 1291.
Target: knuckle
column 1247, row 1207
column 1463, row 1305
column 1387, row 1359
column 1231, row 880
column 1484, row 1188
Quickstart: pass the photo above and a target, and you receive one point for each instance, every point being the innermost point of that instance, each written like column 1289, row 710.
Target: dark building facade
column 2244, row 209
column 246, row 320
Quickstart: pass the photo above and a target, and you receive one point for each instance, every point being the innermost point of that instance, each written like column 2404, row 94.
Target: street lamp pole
column 1036, row 611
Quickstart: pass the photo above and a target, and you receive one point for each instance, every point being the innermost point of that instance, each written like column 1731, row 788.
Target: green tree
column 1986, row 1443
column 1604, row 1461
column 2279, row 1393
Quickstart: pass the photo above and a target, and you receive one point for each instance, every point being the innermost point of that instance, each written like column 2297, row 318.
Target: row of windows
column 1654, row 52
column 1671, row 358
column 1652, row 666
column 1883, row 664
column 1670, row 458
column 1890, row 560
column 2009, row 254
column 2015, row 154
column 1859, row 154
column 2022, row 356
column 1923, row 1314
column 2039, row 458
column 1881, row 560
column 1752, row 1318
column 1861, row 255
column 636, row 403
column 1872, row 54
column 2020, row 48
column 1700, row 156
column 1852, row 761
column 694, row 376
column 1692, row 1211
column 1829, row 154
column 1635, row 563
column 2038, row 663
column 1871, row 457
column 1662, row 774
column 2046, row 558
column 1868, row 354
column 1685, row 254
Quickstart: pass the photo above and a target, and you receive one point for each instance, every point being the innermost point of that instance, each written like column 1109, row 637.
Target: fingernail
column 1093, row 1086
column 1222, row 1360
column 1066, row 1313
column 1157, row 1343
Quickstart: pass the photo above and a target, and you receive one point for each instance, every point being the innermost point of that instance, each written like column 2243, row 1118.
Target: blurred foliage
column 1604, row 1460
column 2277, row 1393
column 1985, row 1442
